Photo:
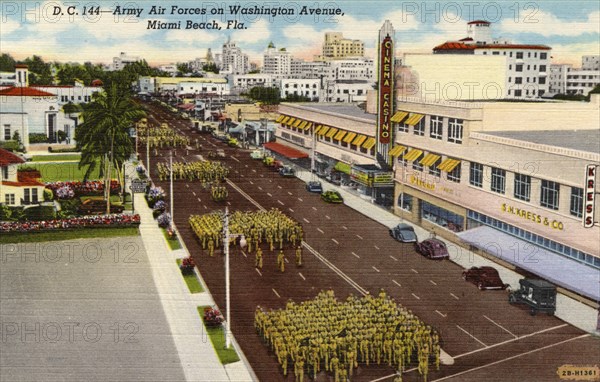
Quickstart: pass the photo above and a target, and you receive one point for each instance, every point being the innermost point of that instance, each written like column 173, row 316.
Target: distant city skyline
column 570, row 29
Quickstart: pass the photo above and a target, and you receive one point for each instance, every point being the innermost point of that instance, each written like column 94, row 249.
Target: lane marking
column 314, row 208
column 358, row 257
column 194, row 192
column 258, row 271
column 500, row 326
column 228, row 203
column 289, row 193
column 244, row 253
column 199, row 200
column 441, row 314
column 270, row 195
column 235, row 159
column 414, row 270
column 415, row 296
column 453, row 295
column 274, row 291
column 251, row 182
column 301, row 275
column 260, row 188
column 300, row 199
column 280, row 202
column 305, row 220
column 396, row 282
column 512, row 357
column 376, row 270
column 360, row 237
column 472, row 336
column 286, row 260
column 376, row 247
column 344, row 227
column 291, row 210
column 433, row 282
column 253, row 170
column 393, row 258
column 262, row 176
column 242, row 175
column 327, row 217
column 187, row 185
column 335, row 241
column 278, row 186
column 320, row 230
column 205, row 207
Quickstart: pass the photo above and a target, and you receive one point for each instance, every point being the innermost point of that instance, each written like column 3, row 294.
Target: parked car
column 314, row 186
column 433, row 249
column 404, row 233
column 484, row 278
column 98, row 206
column 332, row 197
column 287, row 172
column 256, row 154
column 539, row 295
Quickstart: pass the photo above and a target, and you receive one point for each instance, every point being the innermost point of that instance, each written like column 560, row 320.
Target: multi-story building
column 337, row 47
column 590, row 62
column 558, row 79
column 527, row 65
column 123, row 59
column 564, row 79
column 309, row 88
column 77, row 93
column 211, row 87
column 17, row 188
column 307, row 69
column 233, row 61
column 244, row 82
column 277, row 62
column 346, row 90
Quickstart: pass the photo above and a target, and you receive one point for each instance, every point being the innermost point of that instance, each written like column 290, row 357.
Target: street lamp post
column 171, row 188
column 226, row 237
column 148, row 153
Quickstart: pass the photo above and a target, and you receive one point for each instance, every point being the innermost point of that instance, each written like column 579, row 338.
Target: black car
column 314, row 186
column 404, row 233
column 539, row 295
column 432, row 249
column 484, row 278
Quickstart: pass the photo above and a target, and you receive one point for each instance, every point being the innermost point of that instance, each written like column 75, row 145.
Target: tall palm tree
column 103, row 137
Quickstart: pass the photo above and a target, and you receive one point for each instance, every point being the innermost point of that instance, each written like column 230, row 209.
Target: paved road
column 354, row 254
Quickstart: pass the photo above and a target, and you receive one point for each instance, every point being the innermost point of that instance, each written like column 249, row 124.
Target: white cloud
column 571, row 53
column 189, row 37
column 258, row 31
column 10, row 26
column 547, row 24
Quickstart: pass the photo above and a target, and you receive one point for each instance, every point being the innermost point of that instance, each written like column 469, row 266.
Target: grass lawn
column 217, row 337
column 81, row 233
column 55, row 158
column 63, row 171
column 192, row 281
column 173, row 243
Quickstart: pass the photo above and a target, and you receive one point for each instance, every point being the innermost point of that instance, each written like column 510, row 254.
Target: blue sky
column 571, row 28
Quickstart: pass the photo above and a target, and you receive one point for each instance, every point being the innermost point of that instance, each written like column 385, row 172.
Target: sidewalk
column 567, row 309
column 196, row 353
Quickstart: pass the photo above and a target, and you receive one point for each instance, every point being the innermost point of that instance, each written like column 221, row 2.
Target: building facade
column 337, row 47
column 16, row 187
column 309, row 88
column 277, row 62
column 564, row 79
column 233, row 61
column 119, row 62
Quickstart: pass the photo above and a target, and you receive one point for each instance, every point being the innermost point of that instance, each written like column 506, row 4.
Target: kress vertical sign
column 589, row 196
column 386, row 68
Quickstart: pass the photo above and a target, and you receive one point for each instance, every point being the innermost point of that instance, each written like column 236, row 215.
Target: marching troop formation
column 272, row 227
column 205, row 171
column 326, row 334
column 218, row 193
column 161, row 136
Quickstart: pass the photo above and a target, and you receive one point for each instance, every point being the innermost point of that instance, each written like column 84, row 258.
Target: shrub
column 5, row 213
column 187, row 266
column 65, row 150
column 164, row 220
column 48, row 195
column 38, row 138
column 69, row 206
column 11, row 145
column 40, row 213
column 65, row 192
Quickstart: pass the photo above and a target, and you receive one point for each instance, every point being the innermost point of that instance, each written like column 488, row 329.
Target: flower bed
column 95, row 221
column 95, row 187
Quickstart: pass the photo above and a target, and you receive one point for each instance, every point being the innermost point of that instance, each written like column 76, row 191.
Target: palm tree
column 103, row 137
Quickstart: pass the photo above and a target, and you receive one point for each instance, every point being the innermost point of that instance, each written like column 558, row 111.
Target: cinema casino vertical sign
column 386, row 87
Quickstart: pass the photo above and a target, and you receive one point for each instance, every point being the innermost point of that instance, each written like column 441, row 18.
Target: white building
column 147, row 84
column 527, row 65
column 205, row 87
column 77, row 93
column 564, row 79
column 337, row 47
column 309, row 88
column 170, row 68
column 558, row 79
column 346, row 91
column 362, row 69
column 123, row 59
column 277, row 62
column 590, row 62
column 243, row 82
column 233, row 61
column 16, row 188
column 307, row 69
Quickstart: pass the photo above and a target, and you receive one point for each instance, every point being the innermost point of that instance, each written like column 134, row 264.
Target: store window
column 405, row 202
column 549, row 194
column 476, row 174
column 522, row 187
column 436, row 127
column 442, row 217
column 498, row 180
column 576, row 202
column 455, row 130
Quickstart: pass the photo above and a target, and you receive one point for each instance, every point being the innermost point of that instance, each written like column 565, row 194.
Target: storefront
column 374, row 182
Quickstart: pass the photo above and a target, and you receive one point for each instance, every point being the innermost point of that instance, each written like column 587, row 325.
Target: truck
column 539, row 295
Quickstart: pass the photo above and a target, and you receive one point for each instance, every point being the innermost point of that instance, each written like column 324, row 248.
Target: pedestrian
column 281, row 262
column 299, row 256
column 259, row 259
column 211, row 247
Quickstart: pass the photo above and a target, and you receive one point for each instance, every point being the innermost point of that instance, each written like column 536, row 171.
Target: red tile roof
column 6, row 158
column 457, row 45
column 26, row 183
column 286, row 151
column 24, row 92
column 479, row 22
column 29, row 178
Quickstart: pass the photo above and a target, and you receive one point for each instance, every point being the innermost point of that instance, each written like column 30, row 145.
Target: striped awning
column 291, row 121
column 340, row 135
column 323, row 130
column 349, row 137
column 397, row 151
column 280, row 118
column 303, row 125
column 414, row 119
column 449, row 164
column 331, row 132
column 399, row 116
column 369, row 143
column 298, row 122
column 285, row 119
column 359, row 140
column 413, row 155
column 429, row 160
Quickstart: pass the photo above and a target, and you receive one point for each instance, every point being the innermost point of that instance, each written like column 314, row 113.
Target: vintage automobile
column 404, row 233
column 272, row 163
column 332, row 196
column 287, row 172
column 256, row 154
column 98, row 206
column 433, row 249
column 314, row 186
column 539, row 295
column 232, row 142
column 484, row 278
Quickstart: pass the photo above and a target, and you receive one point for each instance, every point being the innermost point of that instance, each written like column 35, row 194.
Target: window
column 549, row 194
column 455, row 130
column 442, row 217
column 519, row 68
column 436, row 126
column 433, row 169
column 518, row 80
column 496, row 53
column 405, row 202
column 7, row 132
column 419, row 128
column 416, row 165
column 498, row 180
column 542, row 81
column 476, row 174
column 510, row 55
column 543, row 56
column 576, row 201
column 403, row 128
column 519, row 55
column 454, row 175
column 26, row 197
column 5, row 173
column 522, row 187
column 509, row 79
column 528, row 54
column 518, row 93
column 9, row 199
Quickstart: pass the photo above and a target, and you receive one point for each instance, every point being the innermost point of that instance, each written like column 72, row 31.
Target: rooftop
column 24, row 92
column 350, row 110
column 6, row 158
column 458, row 45
column 581, row 140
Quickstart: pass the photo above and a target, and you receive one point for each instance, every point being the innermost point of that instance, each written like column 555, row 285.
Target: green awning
column 343, row 167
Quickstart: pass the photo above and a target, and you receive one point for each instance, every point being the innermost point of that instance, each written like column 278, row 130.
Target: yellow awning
column 349, row 137
column 303, row 125
column 308, row 125
column 317, row 128
column 340, row 135
column 298, row 122
column 414, row 119
column 429, row 159
column 399, row 116
column 284, row 120
column 448, row 165
column 359, row 140
column 397, row 151
column 291, row 121
column 413, row 155
column 369, row 143
column 280, row 118
column 323, row 130
column 331, row 132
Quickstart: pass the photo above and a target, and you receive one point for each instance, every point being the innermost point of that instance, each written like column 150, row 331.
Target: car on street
column 256, row 154
column 432, row 249
column 332, row 196
column 287, row 172
column 97, row 206
column 314, row 186
column 484, row 278
column 404, row 233
column 539, row 295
